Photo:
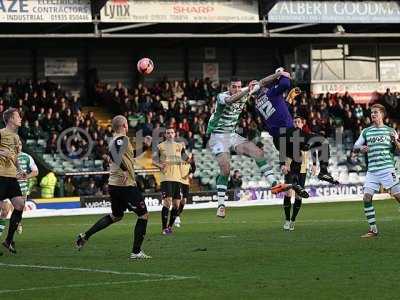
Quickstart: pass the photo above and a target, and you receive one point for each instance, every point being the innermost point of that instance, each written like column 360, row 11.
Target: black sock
column 172, row 216
column 323, row 167
column 164, row 216
column 99, row 225
column 180, row 209
column 286, row 206
column 139, row 233
column 296, row 208
column 15, row 218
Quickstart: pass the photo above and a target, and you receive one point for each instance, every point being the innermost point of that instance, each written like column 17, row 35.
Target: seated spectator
column 32, row 114
column 147, row 127
column 90, row 190
column 69, row 187
column 37, row 131
column 72, row 152
column 354, row 163
column 100, row 149
column 177, row 90
column 58, row 122
column 51, row 146
column 25, row 131
column 358, row 112
column 235, row 182
column 41, row 114
column 190, row 141
column 47, row 123
column 185, row 125
column 75, row 105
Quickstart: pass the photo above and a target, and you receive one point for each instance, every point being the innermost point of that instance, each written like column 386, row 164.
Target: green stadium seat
column 30, row 142
column 42, row 143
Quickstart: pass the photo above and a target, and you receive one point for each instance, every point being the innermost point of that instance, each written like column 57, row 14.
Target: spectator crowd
column 47, row 111
column 187, row 107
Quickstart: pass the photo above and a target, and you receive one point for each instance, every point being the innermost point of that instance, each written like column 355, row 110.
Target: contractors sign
column 45, row 11
column 189, row 11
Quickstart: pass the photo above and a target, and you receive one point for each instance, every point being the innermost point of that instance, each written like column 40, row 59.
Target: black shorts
column 185, row 191
column 126, row 198
column 9, row 188
column 171, row 189
column 296, row 178
column 310, row 141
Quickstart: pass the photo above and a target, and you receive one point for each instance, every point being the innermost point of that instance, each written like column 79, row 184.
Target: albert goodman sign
column 188, row 11
column 335, row 12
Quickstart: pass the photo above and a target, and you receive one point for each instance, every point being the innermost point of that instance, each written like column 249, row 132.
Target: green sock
column 222, row 186
column 369, row 211
column 2, row 226
column 266, row 171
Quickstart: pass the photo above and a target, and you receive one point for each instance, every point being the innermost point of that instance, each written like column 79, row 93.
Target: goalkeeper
column 271, row 106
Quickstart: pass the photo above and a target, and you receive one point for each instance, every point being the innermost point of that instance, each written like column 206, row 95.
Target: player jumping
column 379, row 142
column 222, row 128
column 270, row 104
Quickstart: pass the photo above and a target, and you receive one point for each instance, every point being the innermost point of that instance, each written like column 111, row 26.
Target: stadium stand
column 49, row 111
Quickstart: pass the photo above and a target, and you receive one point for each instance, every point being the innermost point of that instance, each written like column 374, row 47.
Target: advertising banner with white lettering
column 189, row 11
column 45, row 11
column 314, row 191
column 362, row 92
column 335, row 12
column 60, row 66
column 151, row 200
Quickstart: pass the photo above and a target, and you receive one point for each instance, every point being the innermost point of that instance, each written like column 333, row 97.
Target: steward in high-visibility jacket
column 48, row 184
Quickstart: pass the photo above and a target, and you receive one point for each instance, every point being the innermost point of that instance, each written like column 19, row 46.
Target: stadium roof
column 261, row 29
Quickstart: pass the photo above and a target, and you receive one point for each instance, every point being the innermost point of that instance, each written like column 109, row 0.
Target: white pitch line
column 61, row 268
column 85, row 285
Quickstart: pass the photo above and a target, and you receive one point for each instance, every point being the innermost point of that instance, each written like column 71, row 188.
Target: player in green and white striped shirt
column 222, row 128
column 379, row 142
column 26, row 165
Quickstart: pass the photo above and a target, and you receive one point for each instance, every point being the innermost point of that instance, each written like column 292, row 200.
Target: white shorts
column 224, row 142
column 387, row 178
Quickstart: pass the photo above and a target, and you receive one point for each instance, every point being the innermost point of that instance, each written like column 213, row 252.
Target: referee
column 295, row 173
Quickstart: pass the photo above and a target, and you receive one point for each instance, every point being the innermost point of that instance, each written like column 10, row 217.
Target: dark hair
column 299, row 117
column 7, row 114
column 234, row 79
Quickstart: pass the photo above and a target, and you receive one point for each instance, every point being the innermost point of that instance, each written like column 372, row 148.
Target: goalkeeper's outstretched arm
column 237, row 96
column 271, row 78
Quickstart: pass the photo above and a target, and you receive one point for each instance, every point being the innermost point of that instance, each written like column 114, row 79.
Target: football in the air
column 145, row 66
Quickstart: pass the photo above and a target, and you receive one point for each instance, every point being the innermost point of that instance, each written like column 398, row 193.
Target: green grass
column 245, row 256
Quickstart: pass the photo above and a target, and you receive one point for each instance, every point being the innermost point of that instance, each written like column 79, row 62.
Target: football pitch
column 244, row 256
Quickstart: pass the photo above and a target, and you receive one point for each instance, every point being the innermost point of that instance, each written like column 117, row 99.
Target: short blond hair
column 118, row 122
column 380, row 107
column 7, row 115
